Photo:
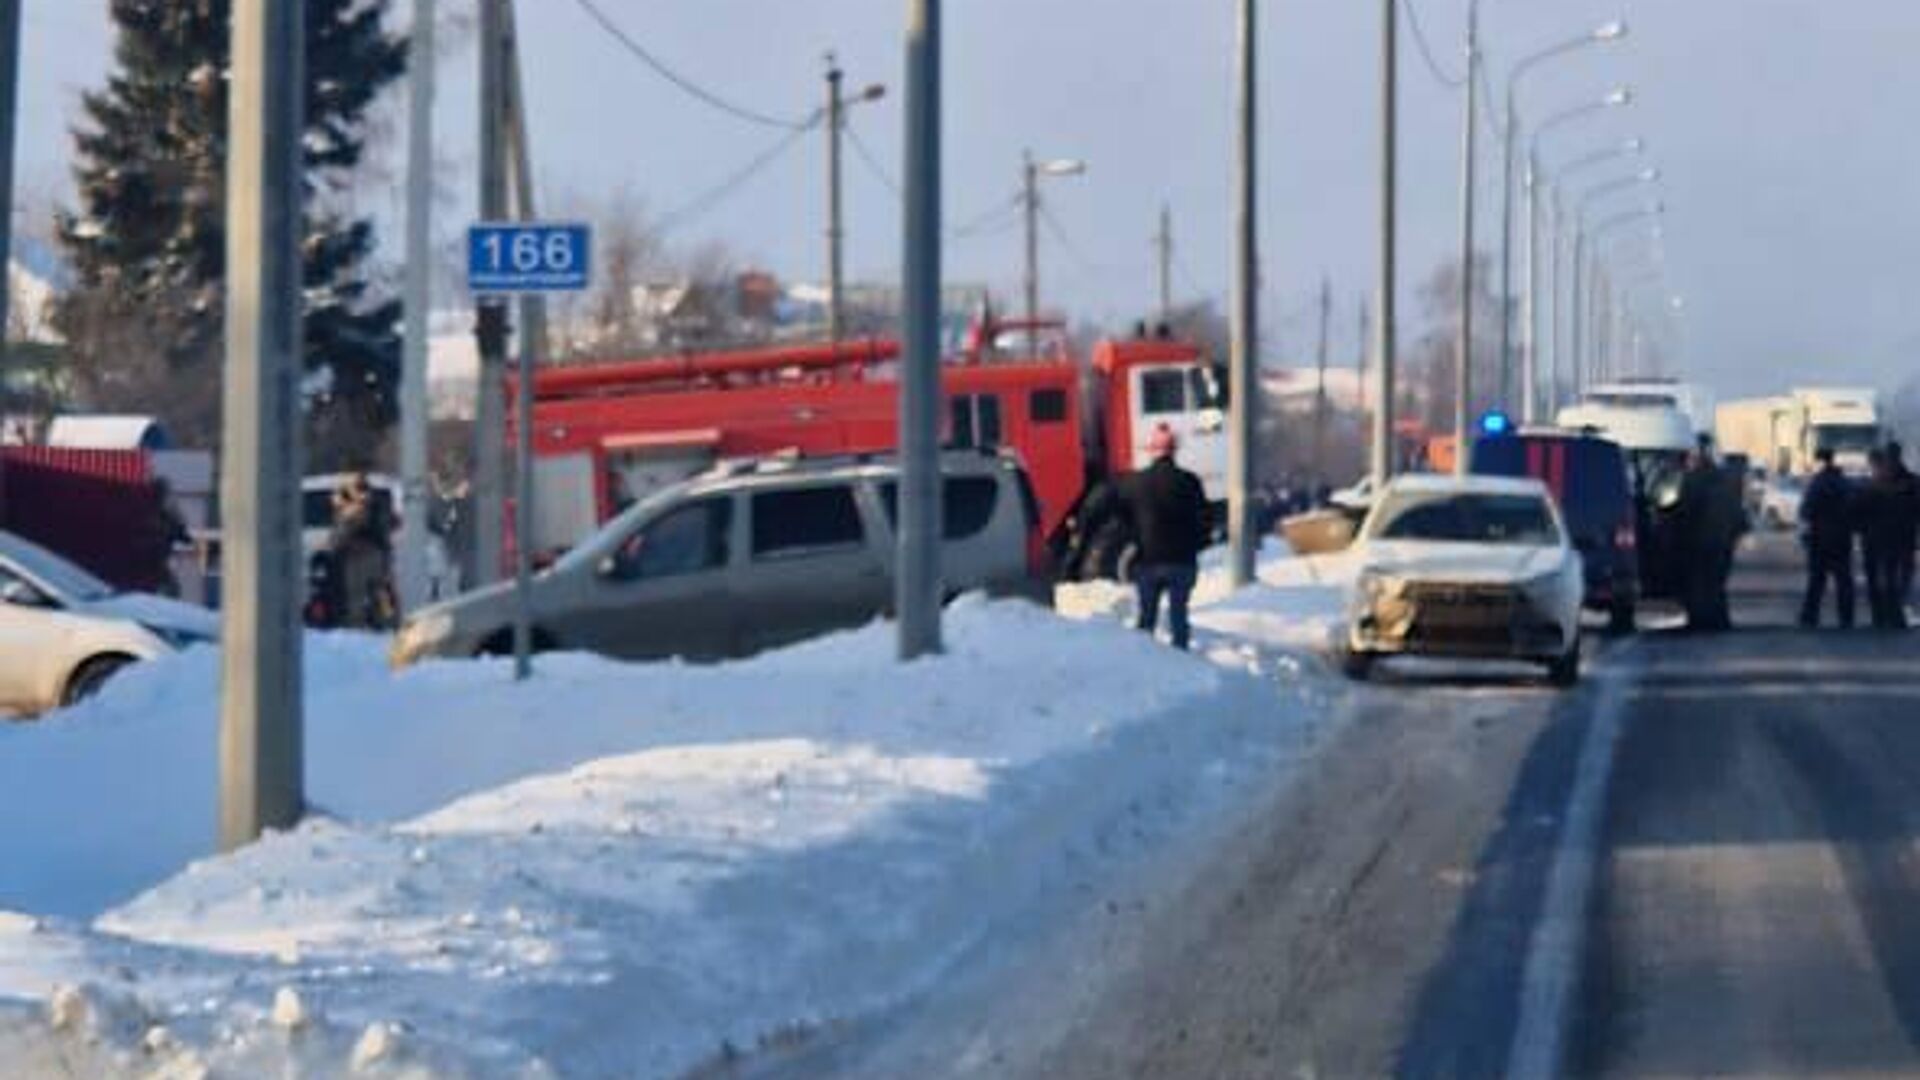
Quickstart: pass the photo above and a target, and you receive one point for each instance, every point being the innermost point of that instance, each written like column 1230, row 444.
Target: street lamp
column 836, row 112
column 1031, row 172
column 1607, row 33
column 1585, row 304
column 1530, row 317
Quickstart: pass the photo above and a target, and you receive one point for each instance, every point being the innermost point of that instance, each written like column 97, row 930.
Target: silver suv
column 748, row 557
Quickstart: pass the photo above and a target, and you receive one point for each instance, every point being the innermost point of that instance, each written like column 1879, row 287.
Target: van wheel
column 91, row 676
column 1621, row 618
column 1565, row 672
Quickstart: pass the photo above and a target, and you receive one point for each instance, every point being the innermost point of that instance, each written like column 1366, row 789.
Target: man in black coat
column 1826, row 531
column 1710, row 520
column 1168, row 506
column 1889, row 518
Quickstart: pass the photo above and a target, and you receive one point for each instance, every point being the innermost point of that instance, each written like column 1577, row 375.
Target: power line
column 720, row 192
column 660, row 68
column 872, row 162
column 1066, row 243
column 1434, row 68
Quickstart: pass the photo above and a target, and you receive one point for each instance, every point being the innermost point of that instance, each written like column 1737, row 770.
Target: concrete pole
column 533, row 343
column 1030, row 188
column 1556, row 256
column 1320, row 382
column 1463, row 348
column 1530, row 316
column 1383, row 456
column 1504, row 399
column 1163, row 244
column 490, row 328
column 9, row 105
column 1365, row 329
column 836, row 230
column 1576, row 319
column 411, row 565
column 917, row 582
column 260, row 706
column 1243, row 375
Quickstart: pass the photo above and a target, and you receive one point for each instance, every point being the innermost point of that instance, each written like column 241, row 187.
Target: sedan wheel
column 92, row 675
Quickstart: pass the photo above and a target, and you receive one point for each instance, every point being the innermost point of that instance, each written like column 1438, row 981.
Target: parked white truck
column 1782, row 434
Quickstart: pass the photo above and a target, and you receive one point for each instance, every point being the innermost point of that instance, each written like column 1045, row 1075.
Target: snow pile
column 620, row 870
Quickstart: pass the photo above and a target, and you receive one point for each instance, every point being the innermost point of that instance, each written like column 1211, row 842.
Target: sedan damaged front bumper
column 1484, row 622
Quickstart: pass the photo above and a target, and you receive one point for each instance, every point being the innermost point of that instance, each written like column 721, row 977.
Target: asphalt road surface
column 1742, row 900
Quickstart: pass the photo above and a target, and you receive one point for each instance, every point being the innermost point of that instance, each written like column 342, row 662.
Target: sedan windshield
column 1453, row 517
column 68, row 581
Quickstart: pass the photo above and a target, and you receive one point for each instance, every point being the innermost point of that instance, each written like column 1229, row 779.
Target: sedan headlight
column 419, row 635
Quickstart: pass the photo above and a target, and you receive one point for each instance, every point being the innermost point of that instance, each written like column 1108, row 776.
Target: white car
column 64, row 632
column 1466, row 567
column 1780, row 502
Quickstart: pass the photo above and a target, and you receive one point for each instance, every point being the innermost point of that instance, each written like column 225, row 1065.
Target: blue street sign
column 516, row 257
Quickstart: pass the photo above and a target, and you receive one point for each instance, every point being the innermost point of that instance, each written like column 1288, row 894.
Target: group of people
column 1881, row 513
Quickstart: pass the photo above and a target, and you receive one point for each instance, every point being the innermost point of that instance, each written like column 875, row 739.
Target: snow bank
column 612, row 870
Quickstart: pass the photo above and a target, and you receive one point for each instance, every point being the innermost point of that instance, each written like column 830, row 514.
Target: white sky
column 1784, row 128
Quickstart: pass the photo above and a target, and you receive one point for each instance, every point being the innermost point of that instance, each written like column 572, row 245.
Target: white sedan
column 64, row 632
column 1466, row 567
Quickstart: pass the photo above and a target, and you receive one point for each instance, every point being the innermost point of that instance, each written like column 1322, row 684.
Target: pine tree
column 147, row 241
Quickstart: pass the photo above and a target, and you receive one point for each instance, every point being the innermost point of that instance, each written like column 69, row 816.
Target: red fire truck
column 606, row 433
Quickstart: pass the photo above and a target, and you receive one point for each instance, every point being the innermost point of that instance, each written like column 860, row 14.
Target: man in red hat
column 1170, row 521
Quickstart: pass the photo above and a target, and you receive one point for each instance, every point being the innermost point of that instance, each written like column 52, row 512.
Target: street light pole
column 412, row 561
column 917, row 581
column 1382, row 455
column 9, row 105
column 1244, row 383
column 1030, row 186
column 260, row 705
column 836, row 309
column 1463, row 349
column 1611, row 32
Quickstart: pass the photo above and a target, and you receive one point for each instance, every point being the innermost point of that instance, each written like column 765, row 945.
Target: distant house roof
column 105, row 432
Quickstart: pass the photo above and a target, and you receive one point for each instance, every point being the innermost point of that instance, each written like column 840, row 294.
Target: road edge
column 1556, row 950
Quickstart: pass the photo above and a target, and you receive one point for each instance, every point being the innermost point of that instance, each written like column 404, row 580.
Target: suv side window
column 689, row 540
column 805, row 521
column 966, row 505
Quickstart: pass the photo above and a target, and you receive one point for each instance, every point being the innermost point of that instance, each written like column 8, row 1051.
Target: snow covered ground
column 614, row 870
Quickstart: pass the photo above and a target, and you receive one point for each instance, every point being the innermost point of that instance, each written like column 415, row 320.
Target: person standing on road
column 362, row 549
column 1889, row 515
column 1826, row 531
column 1168, row 506
column 1709, row 527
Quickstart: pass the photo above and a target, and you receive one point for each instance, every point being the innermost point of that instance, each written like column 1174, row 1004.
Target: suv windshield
column 1452, row 517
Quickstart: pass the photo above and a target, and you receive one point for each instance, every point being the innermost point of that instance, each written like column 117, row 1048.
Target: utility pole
column 1529, row 319
column 917, row 581
column 490, row 326
column 836, row 230
column 412, row 562
column 260, row 706
column 1383, row 463
column 1030, row 198
column 1243, row 377
column 1360, row 360
column 533, row 342
column 1163, row 246
column 1463, row 373
column 1576, row 318
column 9, row 104
column 1320, row 385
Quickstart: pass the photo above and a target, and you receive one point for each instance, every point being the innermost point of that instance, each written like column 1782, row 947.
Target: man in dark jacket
column 1826, row 531
column 1889, row 519
column 1709, row 522
column 1168, row 506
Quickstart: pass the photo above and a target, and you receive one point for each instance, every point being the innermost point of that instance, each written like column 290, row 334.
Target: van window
column 1163, row 391
column 1047, row 406
column 966, row 505
column 688, row 540
column 805, row 521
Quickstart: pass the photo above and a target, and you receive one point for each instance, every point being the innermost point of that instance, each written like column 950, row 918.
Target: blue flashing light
column 1496, row 423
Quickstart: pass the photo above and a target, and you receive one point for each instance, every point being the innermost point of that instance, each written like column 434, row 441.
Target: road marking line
column 1557, row 949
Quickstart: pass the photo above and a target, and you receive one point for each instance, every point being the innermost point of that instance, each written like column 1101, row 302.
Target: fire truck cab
column 609, row 433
